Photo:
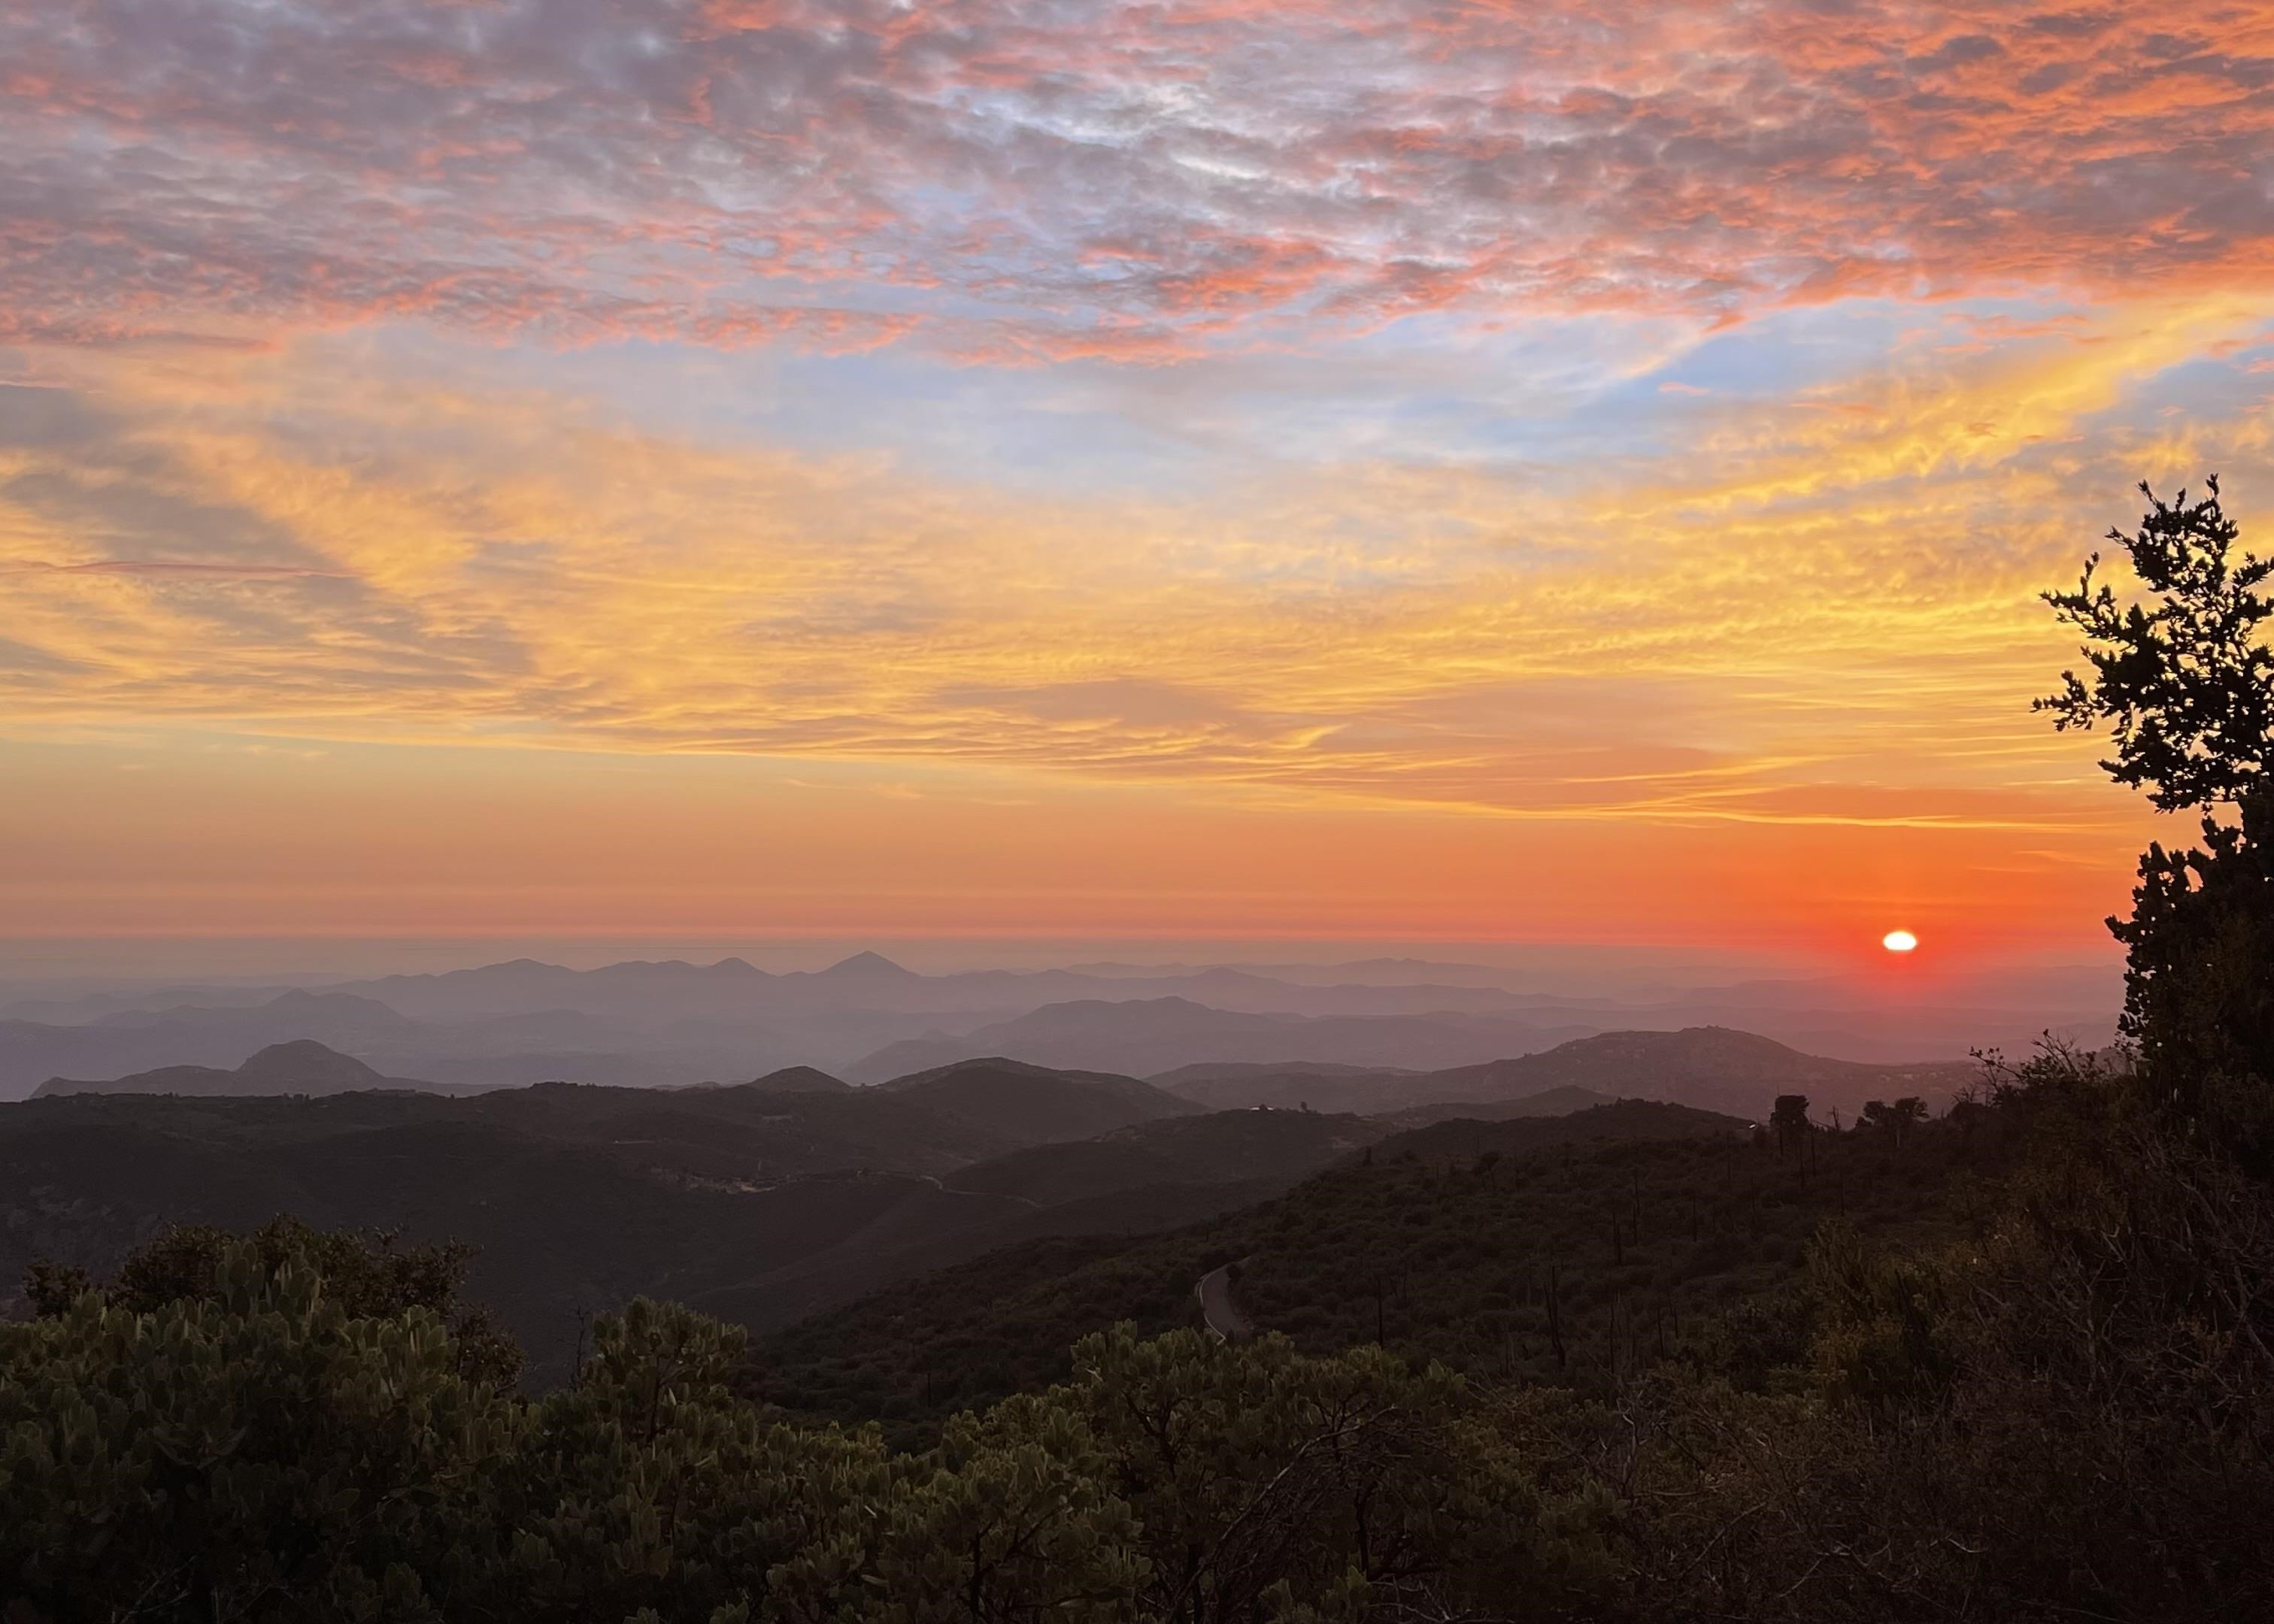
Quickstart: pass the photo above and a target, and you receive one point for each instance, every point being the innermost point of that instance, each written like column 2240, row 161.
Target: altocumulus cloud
column 1020, row 179
column 1818, row 597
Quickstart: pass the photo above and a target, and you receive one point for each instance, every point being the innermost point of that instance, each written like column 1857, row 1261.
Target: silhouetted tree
column 2186, row 687
column 2186, row 682
column 1789, row 1119
column 1896, row 1120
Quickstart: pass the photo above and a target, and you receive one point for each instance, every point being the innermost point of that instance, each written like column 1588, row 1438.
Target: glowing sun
column 1899, row 941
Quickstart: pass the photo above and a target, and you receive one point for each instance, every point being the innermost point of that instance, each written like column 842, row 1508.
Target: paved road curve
column 1216, row 1306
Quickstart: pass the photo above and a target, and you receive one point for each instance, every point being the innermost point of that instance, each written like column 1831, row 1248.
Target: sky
column 1205, row 469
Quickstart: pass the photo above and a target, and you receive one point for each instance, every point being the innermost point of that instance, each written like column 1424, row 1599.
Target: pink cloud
column 1015, row 178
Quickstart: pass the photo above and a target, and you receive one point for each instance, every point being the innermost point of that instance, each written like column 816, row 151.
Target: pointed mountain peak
column 869, row 967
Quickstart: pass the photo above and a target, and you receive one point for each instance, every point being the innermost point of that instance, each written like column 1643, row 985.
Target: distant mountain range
column 732, row 989
column 301, row 1067
column 496, row 1050
column 1142, row 1036
column 767, row 1201
column 1210, row 1147
column 1713, row 1068
column 1707, row 1067
column 866, row 1019
column 776, row 1198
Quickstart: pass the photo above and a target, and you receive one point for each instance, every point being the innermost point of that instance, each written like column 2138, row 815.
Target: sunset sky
column 1531, row 472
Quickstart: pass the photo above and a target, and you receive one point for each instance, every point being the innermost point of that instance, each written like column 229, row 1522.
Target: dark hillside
column 577, row 1197
column 1549, row 1103
column 787, row 1133
column 1292, row 1085
column 1138, row 1180
column 1620, row 1121
column 1033, row 1104
column 1222, row 1146
column 801, row 1080
column 762, row 1204
column 566, row 1224
column 1636, row 1243
column 1410, row 1097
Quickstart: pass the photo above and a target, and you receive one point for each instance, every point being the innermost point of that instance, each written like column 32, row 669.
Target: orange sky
column 1385, row 471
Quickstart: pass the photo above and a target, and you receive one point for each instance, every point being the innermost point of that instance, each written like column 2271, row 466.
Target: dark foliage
column 257, row 1451
column 2068, row 1416
column 2187, row 685
column 1555, row 1251
column 2188, row 688
column 369, row 1275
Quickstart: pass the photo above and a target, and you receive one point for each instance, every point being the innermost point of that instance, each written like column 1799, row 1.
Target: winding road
column 1218, row 1308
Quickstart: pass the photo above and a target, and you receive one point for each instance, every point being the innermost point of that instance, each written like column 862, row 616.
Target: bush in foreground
column 259, row 1448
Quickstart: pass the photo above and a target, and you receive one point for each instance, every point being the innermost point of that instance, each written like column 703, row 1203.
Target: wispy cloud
column 1822, row 607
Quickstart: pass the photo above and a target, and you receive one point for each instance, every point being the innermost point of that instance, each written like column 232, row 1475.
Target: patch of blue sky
column 1401, row 395
column 1526, row 397
column 2205, row 388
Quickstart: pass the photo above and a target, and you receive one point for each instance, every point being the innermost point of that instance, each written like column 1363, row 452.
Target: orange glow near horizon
column 1472, row 478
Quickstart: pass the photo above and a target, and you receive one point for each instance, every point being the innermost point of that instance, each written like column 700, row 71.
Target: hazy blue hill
column 730, row 989
column 869, row 970
column 517, row 987
column 302, row 1066
column 1149, row 1036
column 129, row 1042
column 1713, row 1067
column 318, row 1013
